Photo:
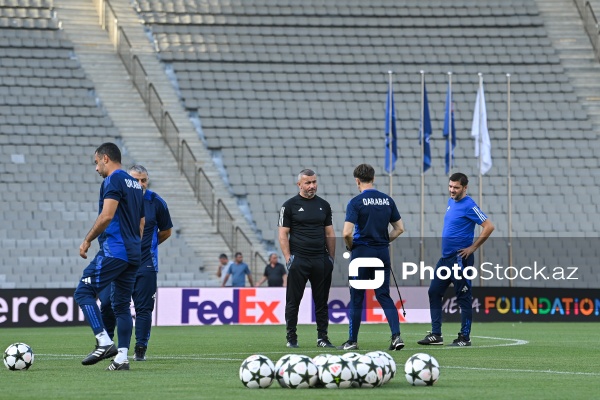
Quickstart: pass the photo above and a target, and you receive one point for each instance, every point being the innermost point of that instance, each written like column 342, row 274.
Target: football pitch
column 506, row 361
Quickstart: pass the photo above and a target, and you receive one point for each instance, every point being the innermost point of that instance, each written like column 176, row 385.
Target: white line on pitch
column 535, row 371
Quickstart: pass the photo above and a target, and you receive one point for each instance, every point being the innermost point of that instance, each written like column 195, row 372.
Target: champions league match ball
column 280, row 368
column 422, row 370
column 301, row 373
column 256, row 372
column 18, row 357
column 384, row 361
column 369, row 372
column 336, row 373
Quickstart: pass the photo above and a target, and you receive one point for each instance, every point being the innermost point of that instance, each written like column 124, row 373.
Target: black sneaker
column 100, row 353
column 324, row 342
column 114, row 366
column 461, row 341
column 397, row 343
column 432, row 338
column 293, row 343
column 348, row 345
column 139, row 353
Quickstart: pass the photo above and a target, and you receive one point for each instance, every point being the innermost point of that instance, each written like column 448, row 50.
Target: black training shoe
column 461, row 341
column 432, row 338
column 397, row 343
column 100, row 353
column 114, row 366
column 139, row 353
column 324, row 342
column 293, row 343
column 348, row 345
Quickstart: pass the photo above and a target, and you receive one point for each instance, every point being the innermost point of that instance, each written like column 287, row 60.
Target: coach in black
column 307, row 241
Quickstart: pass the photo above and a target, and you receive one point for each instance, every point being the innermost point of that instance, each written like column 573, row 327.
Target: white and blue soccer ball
column 301, row 373
column 320, row 360
column 369, row 372
column 422, row 370
column 336, row 373
column 18, row 357
column 351, row 355
column 257, row 372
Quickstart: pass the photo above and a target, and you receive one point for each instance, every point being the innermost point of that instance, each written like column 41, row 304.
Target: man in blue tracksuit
column 157, row 230
column 458, row 247
column 118, row 227
column 365, row 232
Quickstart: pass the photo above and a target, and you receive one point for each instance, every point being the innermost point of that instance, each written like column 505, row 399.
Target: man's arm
column 397, row 230
column 347, row 234
column 284, row 242
column 262, row 280
column 250, row 278
column 284, row 280
column 330, row 240
column 142, row 224
column 164, row 235
column 225, row 280
column 108, row 212
column 488, row 228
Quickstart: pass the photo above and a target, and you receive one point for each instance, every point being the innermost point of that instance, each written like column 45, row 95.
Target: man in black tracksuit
column 307, row 241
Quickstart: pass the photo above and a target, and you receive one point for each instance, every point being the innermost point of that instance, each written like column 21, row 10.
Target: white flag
column 479, row 132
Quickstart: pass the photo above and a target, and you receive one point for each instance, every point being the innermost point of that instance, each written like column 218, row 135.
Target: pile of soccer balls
column 351, row 370
column 18, row 357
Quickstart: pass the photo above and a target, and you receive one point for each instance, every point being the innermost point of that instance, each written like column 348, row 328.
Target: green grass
column 506, row 361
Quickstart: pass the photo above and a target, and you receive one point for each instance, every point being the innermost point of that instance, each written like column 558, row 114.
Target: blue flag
column 426, row 128
column 390, row 118
column 449, row 127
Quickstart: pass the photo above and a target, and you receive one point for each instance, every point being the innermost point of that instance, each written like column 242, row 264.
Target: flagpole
column 509, row 178
column 390, row 140
column 480, row 138
column 390, row 113
column 450, row 149
column 422, row 140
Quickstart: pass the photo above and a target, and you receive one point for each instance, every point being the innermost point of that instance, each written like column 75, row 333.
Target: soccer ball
column 384, row 361
column 336, row 373
column 350, row 356
column 320, row 360
column 369, row 372
column 391, row 363
column 257, row 372
column 422, row 370
column 18, row 357
column 280, row 368
column 301, row 373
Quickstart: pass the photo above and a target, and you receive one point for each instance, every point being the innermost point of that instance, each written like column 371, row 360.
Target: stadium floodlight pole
column 422, row 140
column 509, row 179
column 399, row 295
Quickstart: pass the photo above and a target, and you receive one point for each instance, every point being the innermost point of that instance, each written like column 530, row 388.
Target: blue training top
column 158, row 218
column 459, row 225
column 238, row 274
column 371, row 212
column 121, row 239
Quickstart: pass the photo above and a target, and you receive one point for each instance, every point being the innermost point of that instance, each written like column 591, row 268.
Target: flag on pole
column 390, row 122
column 449, row 129
column 479, row 132
column 425, row 131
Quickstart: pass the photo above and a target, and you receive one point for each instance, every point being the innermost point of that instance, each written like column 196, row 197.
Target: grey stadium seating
column 50, row 124
column 283, row 85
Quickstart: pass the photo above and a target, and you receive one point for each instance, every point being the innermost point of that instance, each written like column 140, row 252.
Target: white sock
column 103, row 338
column 122, row 355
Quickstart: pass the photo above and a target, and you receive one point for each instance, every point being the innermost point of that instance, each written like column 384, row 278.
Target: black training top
column 307, row 219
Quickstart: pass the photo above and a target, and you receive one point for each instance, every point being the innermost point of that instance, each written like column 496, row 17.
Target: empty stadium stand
column 51, row 120
column 280, row 86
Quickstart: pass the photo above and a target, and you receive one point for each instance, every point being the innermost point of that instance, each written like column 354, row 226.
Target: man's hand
column 83, row 248
column 289, row 262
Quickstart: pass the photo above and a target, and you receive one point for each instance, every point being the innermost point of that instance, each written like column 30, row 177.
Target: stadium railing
column 203, row 188
column 590, row 23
